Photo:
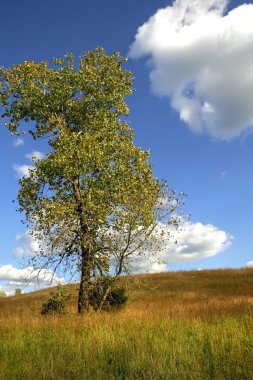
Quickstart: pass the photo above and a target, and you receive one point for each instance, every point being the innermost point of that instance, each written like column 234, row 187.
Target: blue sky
column 192, row 107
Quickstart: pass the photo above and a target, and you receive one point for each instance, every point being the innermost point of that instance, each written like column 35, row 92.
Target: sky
column 192, row 61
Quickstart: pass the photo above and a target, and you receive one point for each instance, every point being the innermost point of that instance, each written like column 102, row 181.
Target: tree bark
column 83, row 294
column 85, row 259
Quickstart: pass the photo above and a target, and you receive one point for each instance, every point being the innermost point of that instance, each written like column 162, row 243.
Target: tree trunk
column 85, row 259
column 83, row 295
column 104, row 297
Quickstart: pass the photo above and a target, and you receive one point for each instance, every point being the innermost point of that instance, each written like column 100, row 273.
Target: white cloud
column 249, row 264
column 202, row 59
column 145, row 265
column 29, row 245
column 35, row 155
column 27, row 276
column 194, row 241
column 22, row 170
column 18, row 142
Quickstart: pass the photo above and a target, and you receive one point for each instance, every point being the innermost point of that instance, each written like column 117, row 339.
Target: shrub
column 117, row 296
column 18, row 292
column 104, row 295
column 56, row 302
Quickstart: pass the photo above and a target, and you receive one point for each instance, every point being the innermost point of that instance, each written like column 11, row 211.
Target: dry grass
column 182, row 325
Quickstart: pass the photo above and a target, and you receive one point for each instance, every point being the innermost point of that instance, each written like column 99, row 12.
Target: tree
column 94, row 184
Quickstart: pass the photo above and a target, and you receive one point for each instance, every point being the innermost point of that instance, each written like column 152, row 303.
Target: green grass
column 184, row 325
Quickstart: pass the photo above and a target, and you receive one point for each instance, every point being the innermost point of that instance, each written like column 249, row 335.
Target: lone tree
column 94, row 187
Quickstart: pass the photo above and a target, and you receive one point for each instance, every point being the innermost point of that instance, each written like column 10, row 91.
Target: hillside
column 224, row 291
column 194, row 325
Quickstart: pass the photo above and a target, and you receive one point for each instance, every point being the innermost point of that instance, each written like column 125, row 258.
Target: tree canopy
column 94, row 184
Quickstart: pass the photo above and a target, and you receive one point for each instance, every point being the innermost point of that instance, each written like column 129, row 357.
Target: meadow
column 194, row 325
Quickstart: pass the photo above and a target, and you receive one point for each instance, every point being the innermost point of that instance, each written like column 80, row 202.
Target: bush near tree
column 57, row 301
column 104, row 294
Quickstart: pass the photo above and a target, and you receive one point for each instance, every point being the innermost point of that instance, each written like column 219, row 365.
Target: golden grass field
column 194, row 325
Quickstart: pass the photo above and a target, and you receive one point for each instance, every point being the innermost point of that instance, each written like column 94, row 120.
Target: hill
column 199, row 293
column 176, row 325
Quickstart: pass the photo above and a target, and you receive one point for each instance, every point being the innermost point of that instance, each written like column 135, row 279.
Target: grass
column 182, row 325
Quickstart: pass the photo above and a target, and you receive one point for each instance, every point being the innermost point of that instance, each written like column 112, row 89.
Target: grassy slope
column 182, row 325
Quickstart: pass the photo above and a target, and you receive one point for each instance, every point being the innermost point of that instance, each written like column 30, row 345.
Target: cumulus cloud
column 202, row 60
column 192, row 242
column 35, row 155
column 249, row 264
column 10, row 273
column 29, row 246
column 13, row 277
column 22, row 170
column 196, row 241
column 18, row 142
